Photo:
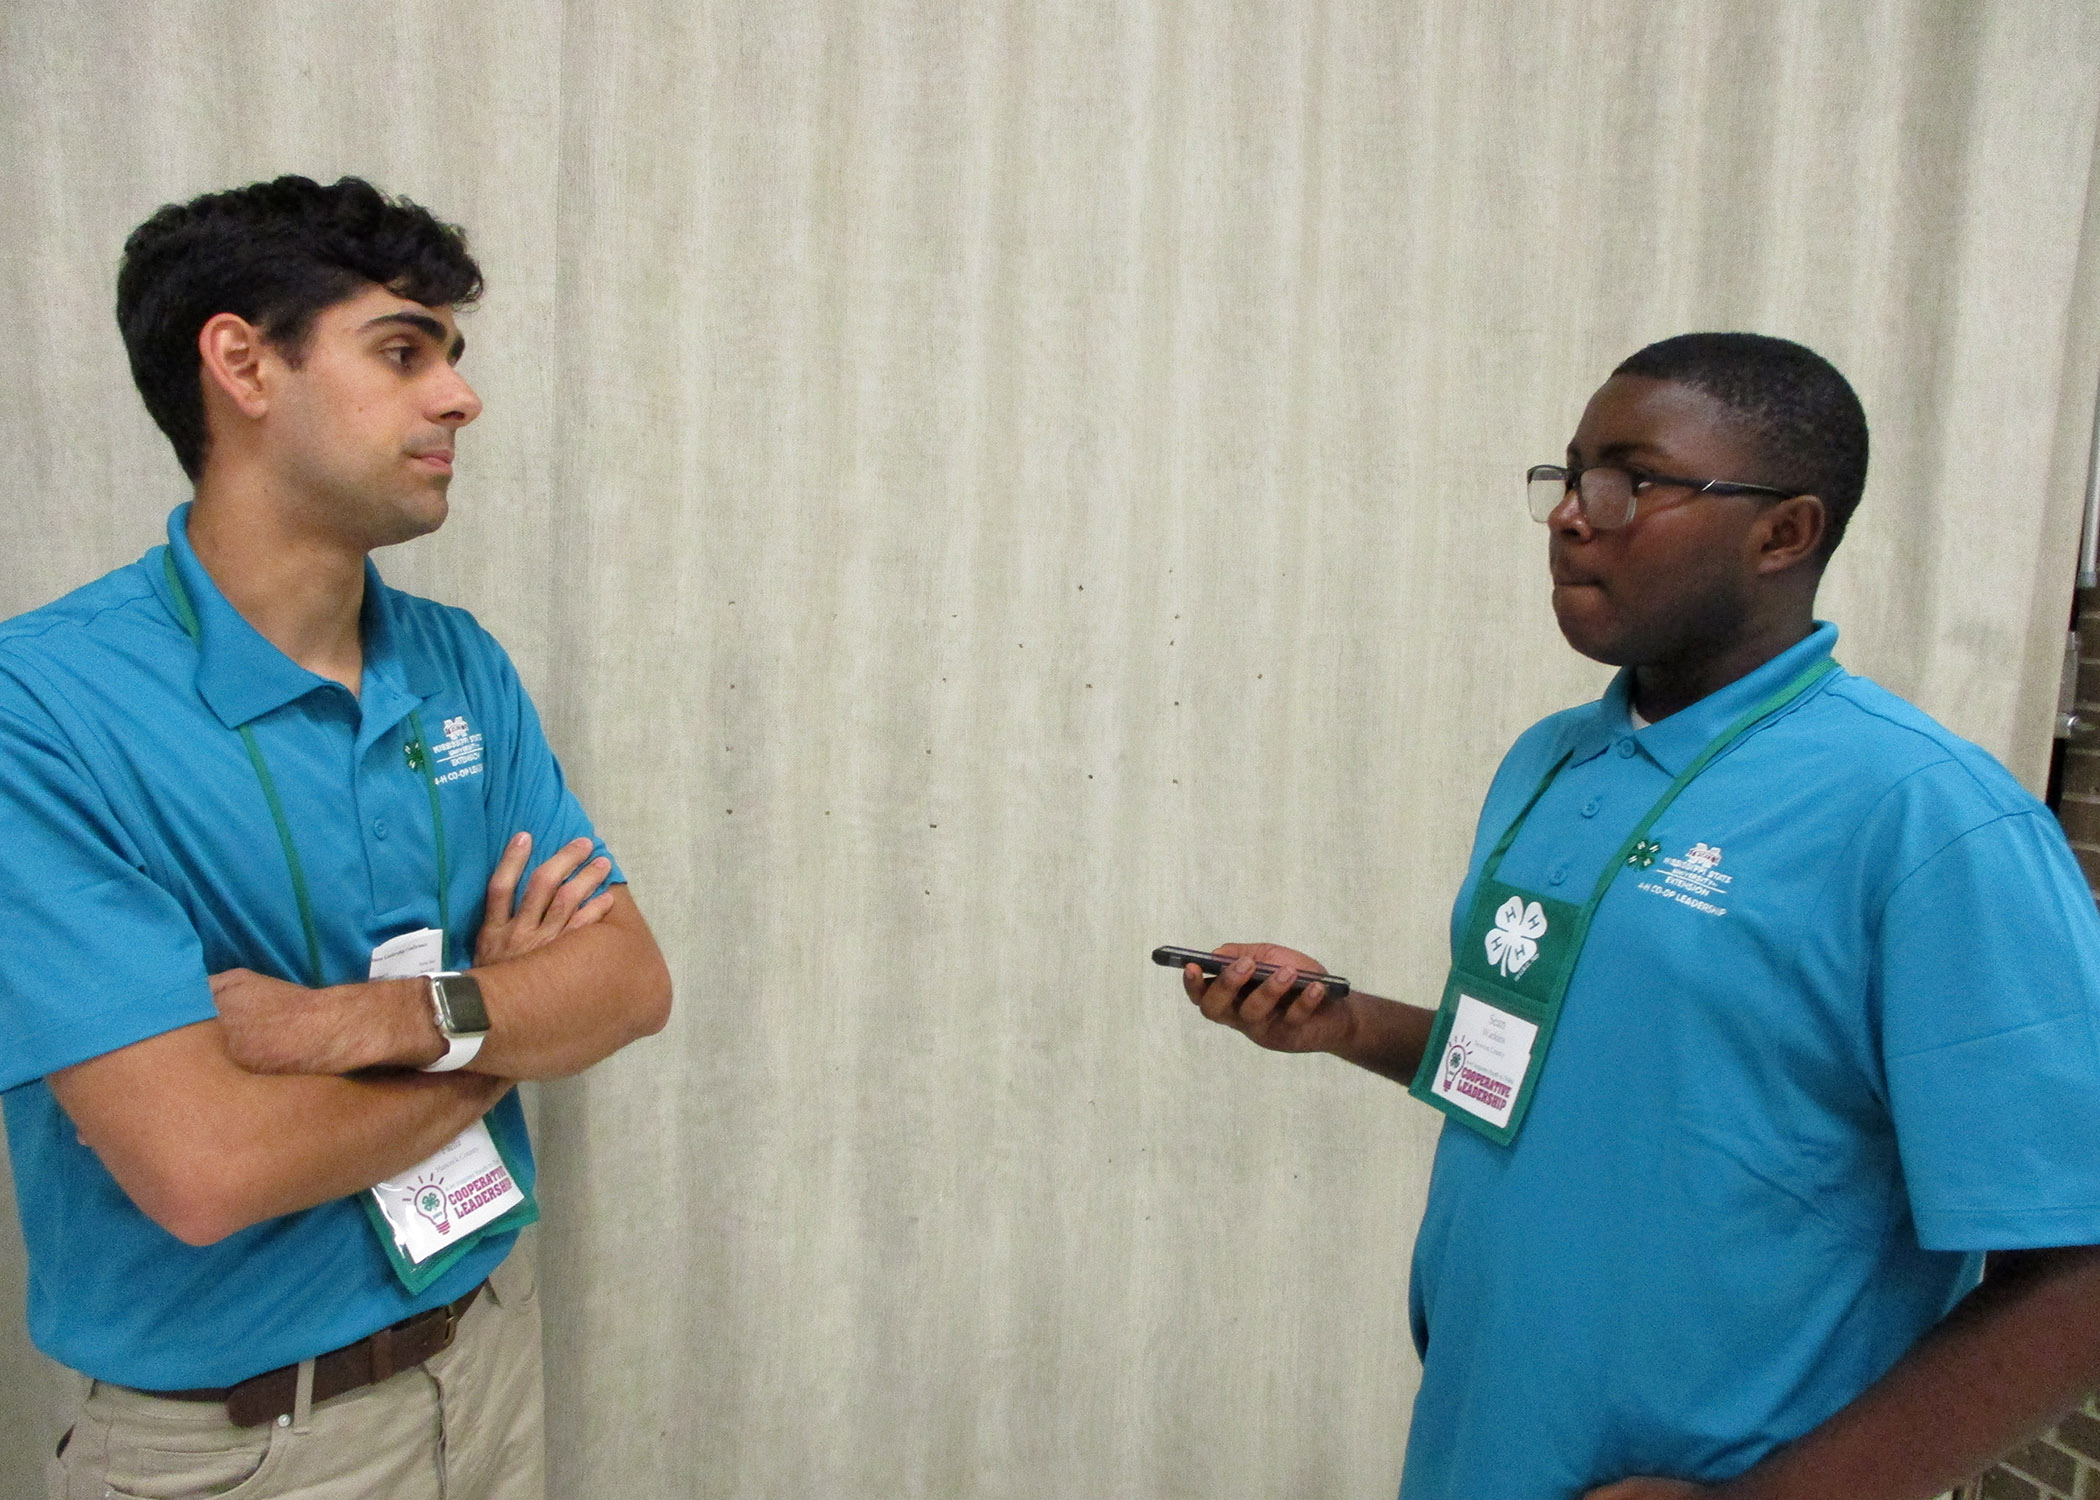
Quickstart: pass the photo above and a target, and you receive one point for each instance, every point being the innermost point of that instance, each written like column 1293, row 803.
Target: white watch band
column 449, row 1011
column 458, row 1055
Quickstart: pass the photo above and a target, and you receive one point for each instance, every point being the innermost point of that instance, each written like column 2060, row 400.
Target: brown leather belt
column 274, row 1393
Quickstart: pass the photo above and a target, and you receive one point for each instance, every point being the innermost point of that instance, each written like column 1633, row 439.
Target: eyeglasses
column 1607, row 496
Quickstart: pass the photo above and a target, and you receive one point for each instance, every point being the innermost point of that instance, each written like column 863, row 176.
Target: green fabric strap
column 1541, row 1011
column 291, row 857
column 187, row 614
column 1822, row 667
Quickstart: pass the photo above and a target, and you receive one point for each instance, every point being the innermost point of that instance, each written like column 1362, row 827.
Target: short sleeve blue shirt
column 1840, row 1038
column 149, row 860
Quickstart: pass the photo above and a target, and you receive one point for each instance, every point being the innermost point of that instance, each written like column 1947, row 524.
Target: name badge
column 1485, row 1058
column 437, row 1203
column 1501, row 1005
column 427, row 1216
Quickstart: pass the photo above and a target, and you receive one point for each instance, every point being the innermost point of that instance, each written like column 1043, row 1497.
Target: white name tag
column 1485, row 1059
column 443, row 1200
column 440, row 1201
column 410, row 955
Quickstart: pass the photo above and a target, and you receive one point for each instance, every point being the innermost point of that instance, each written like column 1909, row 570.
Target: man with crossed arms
column 256, row 796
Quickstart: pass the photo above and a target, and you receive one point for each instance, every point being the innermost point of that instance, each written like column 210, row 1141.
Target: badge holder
column 421, row 1211
column 1501, row 1004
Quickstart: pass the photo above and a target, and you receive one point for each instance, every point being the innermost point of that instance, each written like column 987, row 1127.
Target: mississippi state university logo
column 459, row 752
column 1513, row 942
column 1694, row 879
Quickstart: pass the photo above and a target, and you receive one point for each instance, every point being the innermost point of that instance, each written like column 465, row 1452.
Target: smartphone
column 1214, row 964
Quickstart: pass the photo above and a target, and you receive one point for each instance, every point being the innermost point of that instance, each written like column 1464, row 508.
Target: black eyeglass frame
column 1636, row 480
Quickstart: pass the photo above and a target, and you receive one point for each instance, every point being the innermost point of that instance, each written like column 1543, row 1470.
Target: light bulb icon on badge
column 429, row 1201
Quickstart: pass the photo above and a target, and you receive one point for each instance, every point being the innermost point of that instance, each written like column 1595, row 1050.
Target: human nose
column 1568, row 516
column 455, row 402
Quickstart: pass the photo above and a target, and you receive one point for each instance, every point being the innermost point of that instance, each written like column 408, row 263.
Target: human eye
column 400, row 353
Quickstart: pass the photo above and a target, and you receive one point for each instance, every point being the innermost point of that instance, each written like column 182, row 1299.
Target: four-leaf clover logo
column 430, row 1203
column 1644, row 854
column 1512, row 943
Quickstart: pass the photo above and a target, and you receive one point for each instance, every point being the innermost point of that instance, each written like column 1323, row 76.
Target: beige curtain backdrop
column 981, row 490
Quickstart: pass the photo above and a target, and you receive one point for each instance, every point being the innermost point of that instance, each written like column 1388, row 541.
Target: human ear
column 231, row 350
column 1789, row 532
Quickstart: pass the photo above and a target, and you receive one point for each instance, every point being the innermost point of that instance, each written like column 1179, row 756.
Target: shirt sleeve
column 94, row 955
column 1989, row 958
column 531, row 793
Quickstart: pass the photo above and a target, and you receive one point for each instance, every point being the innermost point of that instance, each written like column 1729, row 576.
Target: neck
column 303, row 591
column 1662, row 688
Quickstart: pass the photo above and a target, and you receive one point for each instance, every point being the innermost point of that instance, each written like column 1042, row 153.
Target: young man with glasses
column 1774, row 1009
column 275, row 963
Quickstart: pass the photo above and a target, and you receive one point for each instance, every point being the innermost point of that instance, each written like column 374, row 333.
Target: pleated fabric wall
column 980, row 491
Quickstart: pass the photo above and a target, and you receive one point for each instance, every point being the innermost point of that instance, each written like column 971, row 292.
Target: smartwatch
column 462, row 1019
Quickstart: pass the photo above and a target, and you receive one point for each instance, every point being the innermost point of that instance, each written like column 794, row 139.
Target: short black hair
column 275, row 253
column 1808, row 425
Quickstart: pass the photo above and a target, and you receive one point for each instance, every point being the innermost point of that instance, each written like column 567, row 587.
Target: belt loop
column 303, row 1397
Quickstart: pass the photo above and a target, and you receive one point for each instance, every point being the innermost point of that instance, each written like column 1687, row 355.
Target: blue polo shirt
column 1842, row 1036
column 148, row 860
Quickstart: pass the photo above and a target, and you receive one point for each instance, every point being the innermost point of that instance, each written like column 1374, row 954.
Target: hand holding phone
column 1215, row 964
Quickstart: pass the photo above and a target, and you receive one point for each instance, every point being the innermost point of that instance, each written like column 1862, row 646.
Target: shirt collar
column 1673, row 743
column 240, row 674
column 385, row 661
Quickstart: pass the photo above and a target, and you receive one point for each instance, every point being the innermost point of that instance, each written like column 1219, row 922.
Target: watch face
column 459, row 1005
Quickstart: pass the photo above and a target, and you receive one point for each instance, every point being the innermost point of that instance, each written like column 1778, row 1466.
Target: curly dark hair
column 1807, row 423
column 275, row 253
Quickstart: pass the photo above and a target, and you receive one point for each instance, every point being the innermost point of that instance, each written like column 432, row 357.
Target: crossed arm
column 2013, row 1355
column 294, row 1097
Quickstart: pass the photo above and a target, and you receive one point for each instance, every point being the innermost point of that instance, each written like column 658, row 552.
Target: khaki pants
column 466, row 1425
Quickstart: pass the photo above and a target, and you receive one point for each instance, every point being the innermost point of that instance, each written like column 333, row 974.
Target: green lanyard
column 1497, row 1019
column 1634, row 851
column 418, row 751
